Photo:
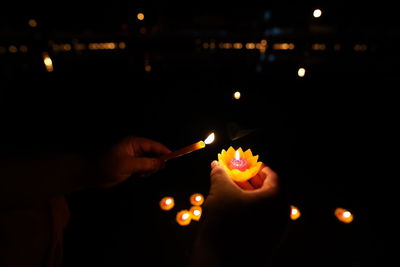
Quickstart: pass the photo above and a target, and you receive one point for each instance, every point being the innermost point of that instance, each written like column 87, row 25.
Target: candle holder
column 240, row 166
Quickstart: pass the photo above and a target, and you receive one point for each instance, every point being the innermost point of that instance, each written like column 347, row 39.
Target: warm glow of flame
column 344, row 215
column 237, row 95
column 47, row 62
column 140, row 16
column 183, row 217
column 32, row 23
column 210, row 139
column 195, row 213
column 301, row 72
column 167, row 203
column 294, row 213
column 317, row 13
column 196, row 199
column 237, row 155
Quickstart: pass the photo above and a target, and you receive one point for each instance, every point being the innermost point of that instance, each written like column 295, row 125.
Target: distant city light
column 32, row 23
column 284, row 46
column 12, row 49
column 317, row 13
column 140, row 16
column 301, row 72
column 122, row 45
column 47, row 62
column 23, row 48
column 147, row 68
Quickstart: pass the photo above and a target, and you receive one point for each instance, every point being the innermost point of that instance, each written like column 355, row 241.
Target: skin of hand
column 133, row 155
column 242, row 224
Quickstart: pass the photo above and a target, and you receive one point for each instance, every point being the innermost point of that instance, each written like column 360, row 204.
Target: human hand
column 132, row 156
column 226, row 193
column 242, row 223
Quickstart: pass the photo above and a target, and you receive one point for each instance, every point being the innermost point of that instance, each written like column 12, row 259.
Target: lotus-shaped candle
column 240, row 166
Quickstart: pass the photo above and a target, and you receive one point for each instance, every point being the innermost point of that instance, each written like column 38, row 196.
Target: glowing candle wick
column 238, row 163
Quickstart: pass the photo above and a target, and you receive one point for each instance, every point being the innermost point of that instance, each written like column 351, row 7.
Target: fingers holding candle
column 258, row 180
column 245, row 185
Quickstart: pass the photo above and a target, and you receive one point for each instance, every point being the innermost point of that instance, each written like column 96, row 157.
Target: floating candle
column 344, row 215
column 294, row 213
column 196, row 199
column 167, row 203
column 189, row 149
column 196, row 212
column 183, row 217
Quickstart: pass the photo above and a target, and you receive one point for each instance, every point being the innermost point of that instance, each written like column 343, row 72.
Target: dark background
column 326, row 134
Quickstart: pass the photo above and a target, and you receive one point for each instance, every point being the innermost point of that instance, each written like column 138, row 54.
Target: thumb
column 143, row 165
column 219, row 177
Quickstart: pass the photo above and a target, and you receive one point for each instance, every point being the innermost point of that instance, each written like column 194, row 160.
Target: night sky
column 171, row 77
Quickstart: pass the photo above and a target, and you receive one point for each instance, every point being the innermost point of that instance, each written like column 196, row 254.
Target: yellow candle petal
column 253, row 167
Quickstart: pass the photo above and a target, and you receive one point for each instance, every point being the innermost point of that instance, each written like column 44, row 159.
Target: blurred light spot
column 319, row 47
column 12, row 49
column 32, row 23
column 344, row 215
column 317, row 13
column 250, row 46
column 237, row 46
column 196, row 212
column 360, row 47
column 237, row 95
column 23, row 48
column 284, row 46
column 196, row 199
column 271, row 58
column 147, row 68
column 167, row 203
column 183, row 218
column 140, row 16
column 267, row 15
column 122, row 45
column 47, row 62
column 67, row 47
column 301, row 72
column 294, row 213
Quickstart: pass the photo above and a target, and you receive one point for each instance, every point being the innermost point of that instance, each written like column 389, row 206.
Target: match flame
column 210, row 139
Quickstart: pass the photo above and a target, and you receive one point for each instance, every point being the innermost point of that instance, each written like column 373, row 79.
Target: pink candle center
column 240, row 164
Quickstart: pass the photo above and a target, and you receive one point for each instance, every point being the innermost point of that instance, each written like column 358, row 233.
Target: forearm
column 24, row 181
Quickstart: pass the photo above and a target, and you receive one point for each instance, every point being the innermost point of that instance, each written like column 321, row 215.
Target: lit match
column 189, row 149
